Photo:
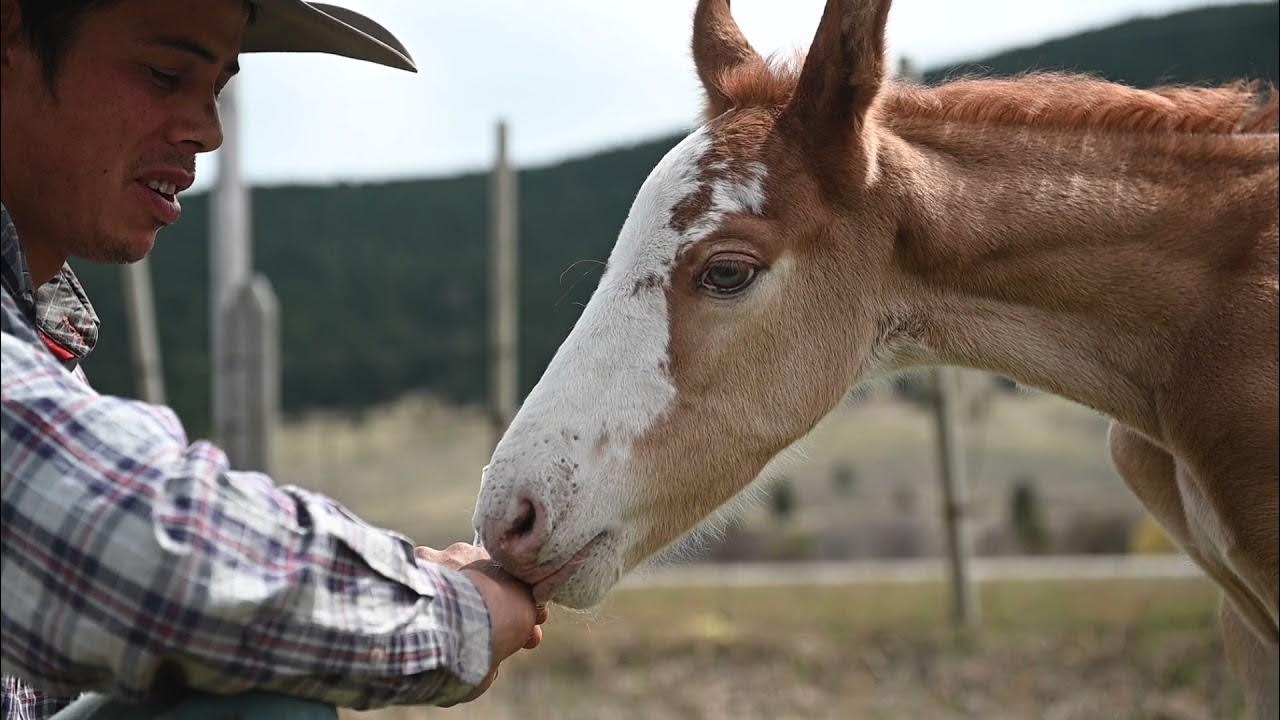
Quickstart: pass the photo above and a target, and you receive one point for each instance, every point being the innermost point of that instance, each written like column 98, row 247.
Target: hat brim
column 297, row 26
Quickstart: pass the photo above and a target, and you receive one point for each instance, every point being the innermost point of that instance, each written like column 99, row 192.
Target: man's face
column 92, row 164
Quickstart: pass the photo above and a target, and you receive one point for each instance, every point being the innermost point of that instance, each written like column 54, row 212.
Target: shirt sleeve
column 133, row 560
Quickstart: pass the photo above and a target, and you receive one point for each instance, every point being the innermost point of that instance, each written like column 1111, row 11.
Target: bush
column 782, row 499
column 1148, row 538
column 792, row 547
column 1097, row 533
column 737, row 544
column 886, row 538
column 1026, row 518
column 844, row 479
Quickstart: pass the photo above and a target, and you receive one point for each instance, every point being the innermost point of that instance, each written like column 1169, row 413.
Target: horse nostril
column 521, row 534
column 525, row 521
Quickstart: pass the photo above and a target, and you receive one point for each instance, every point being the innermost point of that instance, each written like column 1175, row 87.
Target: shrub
column 1026, row 517
column 1097, row 533
column 844, row 479
column 782, row 499
column 1148, row 538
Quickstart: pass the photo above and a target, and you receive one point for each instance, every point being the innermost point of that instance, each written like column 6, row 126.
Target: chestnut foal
column 827, row 226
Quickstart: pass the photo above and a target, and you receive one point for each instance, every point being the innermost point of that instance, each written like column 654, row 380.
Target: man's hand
column 515, row 620
column 464, row 556
column 456, row 556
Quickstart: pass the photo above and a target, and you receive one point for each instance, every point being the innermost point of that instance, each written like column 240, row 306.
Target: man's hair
column 51, row 25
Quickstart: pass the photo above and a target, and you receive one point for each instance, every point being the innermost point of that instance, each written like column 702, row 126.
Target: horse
column 827, row 225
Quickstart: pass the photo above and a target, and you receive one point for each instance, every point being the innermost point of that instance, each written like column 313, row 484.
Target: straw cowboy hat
column 297, row 26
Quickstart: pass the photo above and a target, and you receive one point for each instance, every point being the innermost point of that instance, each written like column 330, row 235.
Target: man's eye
column 164, row 79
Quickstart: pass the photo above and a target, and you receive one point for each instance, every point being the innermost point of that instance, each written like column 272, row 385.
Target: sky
column 570, row 77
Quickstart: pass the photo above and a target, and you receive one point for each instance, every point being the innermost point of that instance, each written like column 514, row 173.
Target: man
column 134, row 562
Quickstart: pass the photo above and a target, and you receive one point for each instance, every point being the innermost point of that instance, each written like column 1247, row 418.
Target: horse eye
column 727, row 277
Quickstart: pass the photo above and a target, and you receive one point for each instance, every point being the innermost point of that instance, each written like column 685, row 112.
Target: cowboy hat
column 297, row 26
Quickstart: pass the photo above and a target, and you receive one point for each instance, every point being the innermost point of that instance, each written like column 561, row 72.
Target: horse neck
column 1074, row 262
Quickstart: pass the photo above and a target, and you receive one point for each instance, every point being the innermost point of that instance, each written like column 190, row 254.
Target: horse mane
column 1079, row 102
column 1043, row 100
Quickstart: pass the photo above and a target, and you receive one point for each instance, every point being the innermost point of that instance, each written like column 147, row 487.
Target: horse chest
column 1211, row 535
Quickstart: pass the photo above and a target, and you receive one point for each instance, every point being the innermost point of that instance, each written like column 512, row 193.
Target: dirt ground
column 1079, row 650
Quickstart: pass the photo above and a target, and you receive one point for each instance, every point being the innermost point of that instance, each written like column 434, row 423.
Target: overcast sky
column 571, row 77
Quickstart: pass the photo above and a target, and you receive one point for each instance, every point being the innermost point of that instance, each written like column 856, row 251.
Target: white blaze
column 609, row 382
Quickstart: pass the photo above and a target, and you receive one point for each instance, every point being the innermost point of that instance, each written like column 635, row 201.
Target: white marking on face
column 610, row 381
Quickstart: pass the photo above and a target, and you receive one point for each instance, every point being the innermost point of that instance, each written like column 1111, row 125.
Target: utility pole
column 908, row 71
column 244, row 323
column 965, row 611
column 955, row 497
column 503, row 290
column 251, row 374
column 144, row 342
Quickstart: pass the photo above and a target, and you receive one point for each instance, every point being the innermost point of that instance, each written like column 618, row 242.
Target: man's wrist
column 474, row 629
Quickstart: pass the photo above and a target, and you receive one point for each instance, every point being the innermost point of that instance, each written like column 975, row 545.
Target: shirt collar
column 59, row 309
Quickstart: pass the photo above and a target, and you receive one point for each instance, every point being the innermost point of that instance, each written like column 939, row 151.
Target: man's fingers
column 436, row 557
column 454, row 557
column 541, row 614
column 466, row 550
column 535, row 639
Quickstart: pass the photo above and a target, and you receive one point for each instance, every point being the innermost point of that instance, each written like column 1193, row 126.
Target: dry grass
column 1098, row 649
column 1101, row 649
column 415, row 466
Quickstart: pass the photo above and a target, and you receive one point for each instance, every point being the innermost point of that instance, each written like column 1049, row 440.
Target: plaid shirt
column 135, row 563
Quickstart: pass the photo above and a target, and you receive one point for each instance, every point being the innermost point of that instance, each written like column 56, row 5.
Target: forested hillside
column 382, row 286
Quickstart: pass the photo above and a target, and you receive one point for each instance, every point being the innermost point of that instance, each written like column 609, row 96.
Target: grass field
column 415, row 466
column 1047, row 650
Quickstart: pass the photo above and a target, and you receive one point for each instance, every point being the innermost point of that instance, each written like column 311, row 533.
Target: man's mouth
column 161, row 198
column 167, row 190
column 159, row 186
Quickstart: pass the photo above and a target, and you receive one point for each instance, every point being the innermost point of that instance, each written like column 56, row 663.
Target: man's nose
column 198, row 126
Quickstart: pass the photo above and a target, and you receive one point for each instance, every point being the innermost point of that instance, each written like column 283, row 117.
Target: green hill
column 1206, row 45
column 382, row 285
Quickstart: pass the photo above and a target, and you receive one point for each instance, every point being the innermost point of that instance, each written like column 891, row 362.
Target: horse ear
column 843, row 71
column 718, row 48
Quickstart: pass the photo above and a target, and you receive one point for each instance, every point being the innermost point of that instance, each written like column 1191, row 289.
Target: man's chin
column 123, row 251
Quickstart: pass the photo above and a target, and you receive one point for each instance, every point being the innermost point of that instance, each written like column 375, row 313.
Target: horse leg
column 1152, row 475
column 1255, row 661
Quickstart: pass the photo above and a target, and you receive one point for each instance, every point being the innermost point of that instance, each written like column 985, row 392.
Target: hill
column 382, row 285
